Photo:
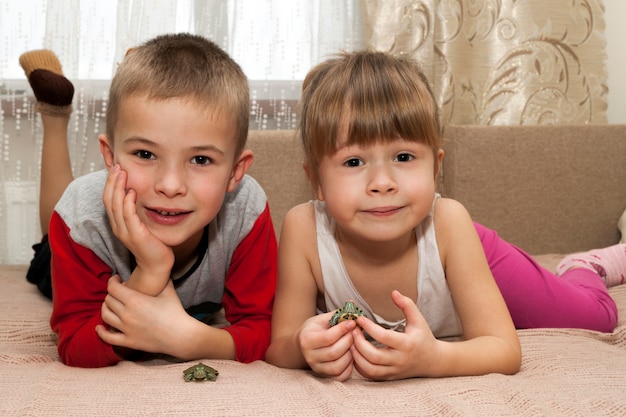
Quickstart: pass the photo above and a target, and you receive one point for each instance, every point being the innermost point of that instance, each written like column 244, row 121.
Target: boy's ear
column 106, row 149
column 240, row 168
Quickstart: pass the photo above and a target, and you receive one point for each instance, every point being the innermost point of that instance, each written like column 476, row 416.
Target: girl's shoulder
column 447, row 211
column 299, row 219
column 452, row 223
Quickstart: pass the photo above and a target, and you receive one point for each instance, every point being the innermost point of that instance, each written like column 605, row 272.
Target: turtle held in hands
column 200, row 372
column 349, row 311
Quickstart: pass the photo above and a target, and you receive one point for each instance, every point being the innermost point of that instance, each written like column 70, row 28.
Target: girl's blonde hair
column 362, row 98
column 183, row 66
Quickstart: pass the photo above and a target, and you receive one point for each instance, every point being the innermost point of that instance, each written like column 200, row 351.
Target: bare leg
column 56, row 168
column 54, row 94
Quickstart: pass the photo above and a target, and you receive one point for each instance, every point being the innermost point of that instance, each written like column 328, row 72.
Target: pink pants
column 538, row 298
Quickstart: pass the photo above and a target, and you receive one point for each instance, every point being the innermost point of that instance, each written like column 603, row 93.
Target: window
column 270, row 39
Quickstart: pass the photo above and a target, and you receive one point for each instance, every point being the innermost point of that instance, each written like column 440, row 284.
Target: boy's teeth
column 167, row 213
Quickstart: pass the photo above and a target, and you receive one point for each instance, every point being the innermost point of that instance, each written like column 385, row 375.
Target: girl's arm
column 491, row 343
column 300, row 338
column 296, row 291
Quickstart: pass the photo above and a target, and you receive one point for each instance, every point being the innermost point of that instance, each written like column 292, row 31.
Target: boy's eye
column 353, row 162
column 403, row 157
column 145, row 154
column 201, row 160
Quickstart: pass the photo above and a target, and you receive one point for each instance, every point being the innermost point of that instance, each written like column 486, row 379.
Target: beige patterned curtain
column 501, row 62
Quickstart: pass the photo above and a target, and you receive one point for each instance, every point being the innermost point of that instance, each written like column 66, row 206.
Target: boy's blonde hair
column 187, row 66
column 365, row 97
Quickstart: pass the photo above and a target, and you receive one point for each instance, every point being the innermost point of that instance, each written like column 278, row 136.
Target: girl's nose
column 381, row 180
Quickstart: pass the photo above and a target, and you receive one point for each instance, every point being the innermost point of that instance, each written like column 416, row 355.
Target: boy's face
column 180, row 160
column 378, row 192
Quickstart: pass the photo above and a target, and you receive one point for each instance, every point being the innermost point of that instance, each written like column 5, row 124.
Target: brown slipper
column 53, row 91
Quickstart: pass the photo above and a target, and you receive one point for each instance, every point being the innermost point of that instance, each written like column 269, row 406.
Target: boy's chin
column 176, row 240
column 172, row 242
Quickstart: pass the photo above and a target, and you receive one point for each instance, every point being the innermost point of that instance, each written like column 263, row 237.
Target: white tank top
column 433, row 296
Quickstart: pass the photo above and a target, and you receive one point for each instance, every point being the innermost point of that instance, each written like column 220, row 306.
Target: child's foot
column 609, row 263
column 53, row 91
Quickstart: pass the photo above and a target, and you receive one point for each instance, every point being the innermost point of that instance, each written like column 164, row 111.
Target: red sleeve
column 249, row 290
column 79, row 286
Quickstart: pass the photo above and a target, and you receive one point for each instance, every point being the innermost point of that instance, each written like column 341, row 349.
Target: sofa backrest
column 278, row 168
column 547, row 189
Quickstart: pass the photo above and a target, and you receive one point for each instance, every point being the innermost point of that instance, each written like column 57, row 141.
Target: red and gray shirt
column 235, row 270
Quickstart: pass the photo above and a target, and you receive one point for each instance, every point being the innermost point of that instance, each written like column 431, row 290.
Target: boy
column 148, row 250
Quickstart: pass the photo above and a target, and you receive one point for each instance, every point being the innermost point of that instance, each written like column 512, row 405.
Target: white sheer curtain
column 275, row 42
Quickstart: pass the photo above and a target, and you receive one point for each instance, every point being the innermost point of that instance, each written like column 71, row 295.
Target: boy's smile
column 179, row 158
column 167, row 218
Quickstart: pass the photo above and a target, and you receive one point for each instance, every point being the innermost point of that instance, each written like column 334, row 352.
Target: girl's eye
column 404, row 157
column 353, row 162
column 201, row 160
column 145, row 155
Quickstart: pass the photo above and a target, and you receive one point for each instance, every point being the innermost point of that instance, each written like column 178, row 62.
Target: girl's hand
column 327, row 350
column 405, row 355
column 141, row 322
column 154, row 258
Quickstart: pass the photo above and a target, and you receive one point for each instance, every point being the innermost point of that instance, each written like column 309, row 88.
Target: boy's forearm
column 149, row 283
column 204, row 341
column 79, row 278
column 79, row 345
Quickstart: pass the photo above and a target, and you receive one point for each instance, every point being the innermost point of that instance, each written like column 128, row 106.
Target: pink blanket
column 564, row 372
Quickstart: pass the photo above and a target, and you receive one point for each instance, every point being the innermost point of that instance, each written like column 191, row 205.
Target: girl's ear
column 438, row 162
column 314, row 181
column 106, row 149
column 240, row 168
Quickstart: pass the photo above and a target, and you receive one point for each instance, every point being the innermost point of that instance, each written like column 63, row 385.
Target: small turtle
column 349, row 311
column 200, row 372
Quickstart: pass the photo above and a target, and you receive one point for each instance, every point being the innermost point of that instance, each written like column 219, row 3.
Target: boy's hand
column 141, row 322
column 154, row 258
column 405, row 355
column 327, row 350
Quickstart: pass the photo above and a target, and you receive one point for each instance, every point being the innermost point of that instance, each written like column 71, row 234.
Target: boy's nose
column 170, row 181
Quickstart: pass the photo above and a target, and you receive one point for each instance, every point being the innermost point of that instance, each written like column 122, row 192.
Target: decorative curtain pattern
column 501, row 62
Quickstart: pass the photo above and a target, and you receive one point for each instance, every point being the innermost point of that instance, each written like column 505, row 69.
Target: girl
column 379, row 235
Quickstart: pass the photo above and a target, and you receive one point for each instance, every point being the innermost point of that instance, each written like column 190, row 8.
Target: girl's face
column 379, row 192
column 180, row 160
